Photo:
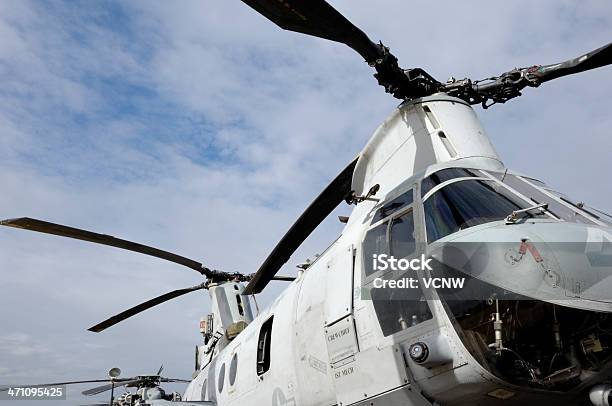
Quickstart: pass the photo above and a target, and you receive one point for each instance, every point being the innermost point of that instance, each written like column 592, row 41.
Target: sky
column 201, row 128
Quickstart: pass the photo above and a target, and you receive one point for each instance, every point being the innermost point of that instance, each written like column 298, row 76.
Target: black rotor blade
column 104, row 388
column 142, row 307
column 319, row 19
column 592, row 60
column 70, row 232
column 318, row 210
column 38, row 385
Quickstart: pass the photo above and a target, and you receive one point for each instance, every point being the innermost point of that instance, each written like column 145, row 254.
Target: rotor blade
column 5, row 388
column 592, row 60
column 174, row 380
column 142, row 307
column 284, row 278
column 70, row 232
column 318, row 210
column 161, row 368
column 317, row 18
column 104, row 388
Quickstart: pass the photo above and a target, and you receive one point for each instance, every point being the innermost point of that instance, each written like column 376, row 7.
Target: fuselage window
column 467, row 203
column 263, row 346
column 239, row 303
column 221, row 381
column 442, row 176
column 233, row 369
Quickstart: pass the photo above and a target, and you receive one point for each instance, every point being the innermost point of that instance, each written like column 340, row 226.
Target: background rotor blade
column 142, row 307
column 284, row 278
column 70, row 232
column 5, row 388
column 592, row 60
column 104, row 388
column 318, row 210
column 317, row 18
column 174, row 380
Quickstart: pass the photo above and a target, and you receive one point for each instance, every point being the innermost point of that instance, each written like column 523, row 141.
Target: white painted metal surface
column 419, row 134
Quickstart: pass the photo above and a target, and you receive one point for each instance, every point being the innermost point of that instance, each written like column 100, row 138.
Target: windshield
column 467, row 203
column 536, row 191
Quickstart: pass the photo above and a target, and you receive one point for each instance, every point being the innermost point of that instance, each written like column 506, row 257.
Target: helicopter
column 148, row 390
column 530, row 322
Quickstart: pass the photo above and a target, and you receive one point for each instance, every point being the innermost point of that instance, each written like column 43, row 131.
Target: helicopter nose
column 584, row 256
column 568, row 264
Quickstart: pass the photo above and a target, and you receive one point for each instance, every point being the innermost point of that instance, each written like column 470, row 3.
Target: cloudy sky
column 201, row 128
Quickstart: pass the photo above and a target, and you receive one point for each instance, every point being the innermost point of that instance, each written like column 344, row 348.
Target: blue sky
column 199, row 127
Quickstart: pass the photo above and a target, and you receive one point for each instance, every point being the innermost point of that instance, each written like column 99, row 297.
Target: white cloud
column 21, row 344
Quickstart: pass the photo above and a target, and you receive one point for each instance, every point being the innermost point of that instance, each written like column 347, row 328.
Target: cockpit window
column 374, row 243
column 394, row 205
column 394, row 236
column 467, row 203
column 399, row 309
column 401, row 235
column 442, row 176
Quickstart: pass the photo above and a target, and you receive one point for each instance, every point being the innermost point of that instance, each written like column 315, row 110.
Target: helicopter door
column 340, row 333
column 377, row 367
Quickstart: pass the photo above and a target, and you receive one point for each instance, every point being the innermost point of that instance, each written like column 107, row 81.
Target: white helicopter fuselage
column 330, row 344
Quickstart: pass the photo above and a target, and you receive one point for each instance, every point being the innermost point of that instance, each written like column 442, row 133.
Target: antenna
column 113, row 374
